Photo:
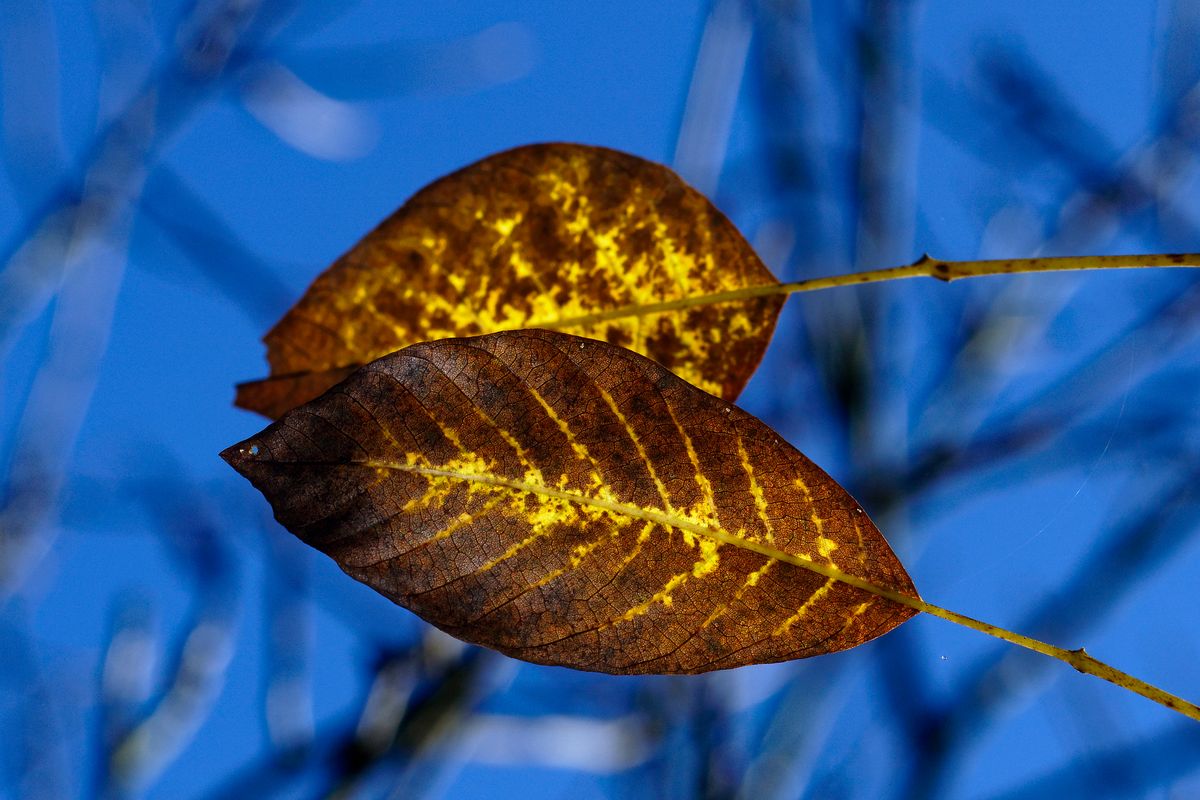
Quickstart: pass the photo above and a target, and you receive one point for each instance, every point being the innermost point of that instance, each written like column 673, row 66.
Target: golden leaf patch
column 540, row 236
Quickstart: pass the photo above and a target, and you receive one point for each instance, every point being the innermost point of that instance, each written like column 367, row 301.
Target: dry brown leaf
column 569, row 502
column 539, row 236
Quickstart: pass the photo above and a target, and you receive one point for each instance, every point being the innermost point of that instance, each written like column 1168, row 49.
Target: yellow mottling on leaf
column 859, row 610
column 760, row 500
column 578, row 555
column 826, row 546
column 643, row 537
column 581, row 223
column 754, row 577
column 461, row 520
column 716, row 614
column 709, row 559
column 580, row 450
column 800, row 612
column 467, row 464
column 522, row 267
column 740, row 324
column 705, row 511
column 582, row 551
column 662, row 596
column 641, row 451
column 504, row 225
column 707, row 563
column 862, row 548
column 549, row 235
column 751, row 581
column 538, row 532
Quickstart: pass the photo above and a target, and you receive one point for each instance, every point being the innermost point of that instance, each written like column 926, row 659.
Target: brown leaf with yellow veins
column 569, row 502
column 543, row 236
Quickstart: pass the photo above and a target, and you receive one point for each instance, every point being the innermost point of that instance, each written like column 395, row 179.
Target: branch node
column 937, row 268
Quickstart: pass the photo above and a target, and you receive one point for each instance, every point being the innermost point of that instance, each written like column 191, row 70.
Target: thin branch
column 1078, row 658
column 924, row 267
column 1138, row 544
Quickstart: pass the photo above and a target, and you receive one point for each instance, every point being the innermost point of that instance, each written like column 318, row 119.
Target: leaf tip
column 241, row 455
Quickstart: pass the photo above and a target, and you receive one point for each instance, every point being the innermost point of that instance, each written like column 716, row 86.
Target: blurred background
column 176, row 173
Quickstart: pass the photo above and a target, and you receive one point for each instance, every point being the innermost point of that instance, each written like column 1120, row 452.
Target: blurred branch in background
column 138, row 745
column 1135, row 545
column 497, row 55
column 35, row 762
column 1057, row 413
column 198, row 231
column 703, row 140
column 99, row 193
column 287, row 679
column 1163, row 758
column 414, row 699
column 74, row 249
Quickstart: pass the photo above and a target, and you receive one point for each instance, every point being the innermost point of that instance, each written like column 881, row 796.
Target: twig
column 1078, row 658
column 1138, row 544
column 924, row 267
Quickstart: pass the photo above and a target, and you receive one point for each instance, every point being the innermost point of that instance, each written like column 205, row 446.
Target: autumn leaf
column 544, row 236
column 566, row 501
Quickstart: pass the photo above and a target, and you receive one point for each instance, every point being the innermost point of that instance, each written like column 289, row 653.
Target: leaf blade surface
column 569, row 502
column 536, row 236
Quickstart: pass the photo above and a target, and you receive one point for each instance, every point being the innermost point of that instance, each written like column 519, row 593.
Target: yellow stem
column 924, row 267
column 1079, row 659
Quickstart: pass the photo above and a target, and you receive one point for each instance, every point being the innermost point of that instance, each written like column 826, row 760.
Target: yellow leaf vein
column 657, row 517
column 641, row 451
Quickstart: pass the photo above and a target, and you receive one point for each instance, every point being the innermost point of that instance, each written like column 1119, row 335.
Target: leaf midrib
column 629, row 311
column 719, row 535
